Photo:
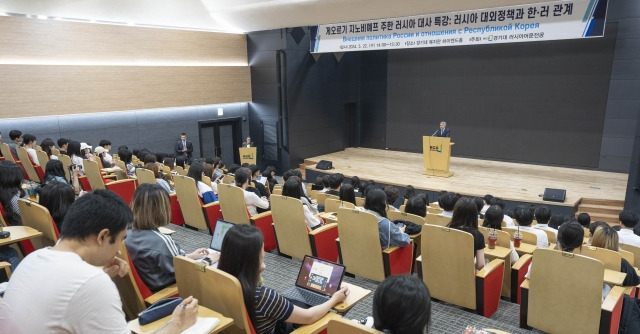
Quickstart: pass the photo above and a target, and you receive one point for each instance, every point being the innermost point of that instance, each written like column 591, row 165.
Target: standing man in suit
column 443, row 131
column 184, row 147
column 248, row 143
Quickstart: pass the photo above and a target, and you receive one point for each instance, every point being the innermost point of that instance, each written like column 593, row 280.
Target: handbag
column 411, row 228
column 158, row 310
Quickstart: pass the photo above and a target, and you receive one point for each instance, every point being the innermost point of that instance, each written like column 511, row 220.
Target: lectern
column 248, row 155
column 436, row 152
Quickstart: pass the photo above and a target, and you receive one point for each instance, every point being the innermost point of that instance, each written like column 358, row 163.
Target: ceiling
column 240, row 15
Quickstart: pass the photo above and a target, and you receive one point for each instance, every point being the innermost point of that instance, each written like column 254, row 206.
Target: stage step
column 599, row 201
column 614, row 210
column 605, row 210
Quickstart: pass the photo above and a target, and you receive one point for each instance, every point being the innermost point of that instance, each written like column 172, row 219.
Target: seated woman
column 54, row 172
column 392, row 194
column 465, row 218
column 47, row 144
column 493, row 219
column 347, row 193
column 394, row 302
column 606, row 237
column 159, row 180
column 151, row 251
column 243, row 257
column 11, row 176
column 126, row 156
column 416, row 206
column 251, row 200
column 291, row 188
column 390, row 234
column 592, row 229
column 29, row 144
column 57, row 197
column 270, row 174
column 206, row 193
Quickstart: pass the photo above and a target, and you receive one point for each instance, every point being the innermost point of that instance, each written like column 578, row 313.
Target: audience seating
column 323, row 196
column 627, row 256
column 180, row 170
column 214, row 289
column 436, row 219
column 527, row 237
column 611, row 259
column 206, row 180
column 145, row 176
column 434, row 210
column 504, row 242
column 196, row 214
column 360, row 251
column 293, row 236
column 400, row 215
column 124, row 188
column 6, row 268
column 332, row 205
column 551, row 236
column 448, row 270
column 43, row 158
column 570, row 299
column 636, row 253
column 518, row 272
column 66, row 164
column 234, row 210
column 228, row 179
column 7, row 154
column 35, row 172
column 121, row 164
column 360, row 201
column 135, row 295
column 37, row 216
column 342, row 326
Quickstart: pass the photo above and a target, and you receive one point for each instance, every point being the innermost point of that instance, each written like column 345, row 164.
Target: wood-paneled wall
column 50, row 67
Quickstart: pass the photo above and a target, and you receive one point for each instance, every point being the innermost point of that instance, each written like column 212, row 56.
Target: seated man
column 543, row 215
column 447, row 201
column 251, row 200
column 62, row 145
column 29, row 144
column 106, row 144
column 335, row 181
column 16, row 139
column 628, row 220
column 63, row 288
column 524, row 218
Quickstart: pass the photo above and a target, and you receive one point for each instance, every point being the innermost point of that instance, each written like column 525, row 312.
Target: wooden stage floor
column 511, row 181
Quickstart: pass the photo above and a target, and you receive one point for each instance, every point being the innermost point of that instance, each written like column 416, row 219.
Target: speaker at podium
column 436, row 153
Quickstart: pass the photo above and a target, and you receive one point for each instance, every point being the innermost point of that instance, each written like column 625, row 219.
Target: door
column 220, row 139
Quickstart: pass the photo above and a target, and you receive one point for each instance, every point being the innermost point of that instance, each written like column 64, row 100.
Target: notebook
column 216, row 239
column 317, row 281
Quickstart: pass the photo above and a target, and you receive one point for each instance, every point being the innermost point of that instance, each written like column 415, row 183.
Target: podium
column 436, row 153
column 248, row 155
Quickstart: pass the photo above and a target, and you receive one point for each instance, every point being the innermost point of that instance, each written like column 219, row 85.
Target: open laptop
column 216, row 239
column 317, row 281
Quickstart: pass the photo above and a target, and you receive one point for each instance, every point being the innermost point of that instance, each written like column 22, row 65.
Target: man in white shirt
column 524, row 218
column 63, row 289
column 106, row 144
column 542, row 215
column 508, row 220
column 251, row 200
column 628, row 220
column 29, row 143
column 447, row 201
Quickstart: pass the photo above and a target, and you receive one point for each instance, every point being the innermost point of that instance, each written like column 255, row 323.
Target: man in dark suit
column 184, row 147
column 248, row 143
column 443, row 131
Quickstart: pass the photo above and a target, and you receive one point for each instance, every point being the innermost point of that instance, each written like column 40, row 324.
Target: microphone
column 434, row 133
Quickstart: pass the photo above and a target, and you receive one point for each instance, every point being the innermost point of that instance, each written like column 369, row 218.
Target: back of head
column 594, row 226
column 605, row 237
column 151, row 207
column 169, row 162
column 479, row 203
column 195, row 171
column 15, row 134
column 318, row 181
column 254, row 170
column 392, row 194
column 497, row 201
column 402, row 305
column 376, row 201
column 584, row 219
column 347, row 193
column 57, row 197
column 74, row 149
column 125, row 155
column 268, row 171
column 556, row 220
column 233, row 168
column 409, row 191
column 325, row 180
column 11, row 175
column 493, row 217
column 28, row 139
column 104, row 142
column 487, row 199
column 154, row 168
column 62, row 142
column 355, row 182
column 523, row 215
column 94, row 212
column 570, row 236
column 54, row 168
column 240, row 257
column 286, row 175
column 208, row 169
column 150, row 157
column 291, row 188
column 416, row 206
column 180, row 161
column 46, row 145
column 242, row 175
column 334, row 181
column 465, row 214
column 628, row 218
column 542, row 214
column 448, row 200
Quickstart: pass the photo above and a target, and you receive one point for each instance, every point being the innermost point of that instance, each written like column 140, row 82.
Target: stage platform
column 515, row 182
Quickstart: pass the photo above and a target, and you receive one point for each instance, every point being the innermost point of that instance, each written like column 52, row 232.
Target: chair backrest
column 332, row 205
column 321, row 197
column 121, row 164
column 504, row 240
column 435, row 219
column 6, row 152
column 132, row 299
column 627, row 256
column 360, row 201
column 27, row 164
column 66, row 163
column 611, row 259
column 342, row 326
column 145, row 176
column 434, row 210
column 166, row 170
column 93, row 174
column 232, row 204
column 397, row 215
column 636, row 254
column 527, row 237
column 448, row 266
column 38, row 217
column 227, row 179
column 206, row 180
column 569, row 301
column 360, row 243
column 551, row 236
column 214, row 289
column 43, row 158
column 180, row 170
column 55, row 152
column 189, row 201
column 290, row 226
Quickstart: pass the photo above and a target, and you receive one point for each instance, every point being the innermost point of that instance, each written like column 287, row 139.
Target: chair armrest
column 318, row 326
column 212, row 214
column 489, row 287
column 489, row 268
column 397, row 260
column 611, row 310
column 208, row 205
column 390, row 249
column 522, row 261
column 261, row 215
column 6, row 266
column 120, row 181
column 110, row 176
column 323, row 228
column 524, row 305
column 518, row 270
column 167, row 292
column 323, row 243
column 263, row 222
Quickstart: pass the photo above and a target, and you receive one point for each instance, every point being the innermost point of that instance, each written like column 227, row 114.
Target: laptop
column 216, row 239
column 317, row 281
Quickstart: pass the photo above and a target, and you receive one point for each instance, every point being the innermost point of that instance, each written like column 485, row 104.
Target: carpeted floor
column 281, row 273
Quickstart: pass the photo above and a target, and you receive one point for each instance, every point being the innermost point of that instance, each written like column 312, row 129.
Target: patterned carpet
column 281, row 273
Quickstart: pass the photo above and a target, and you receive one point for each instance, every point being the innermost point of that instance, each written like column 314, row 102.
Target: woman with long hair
column 206, row 193
column 151, row 251
column 159, row 180
column 243, row 257
column 291, row 188
column 390, row 234
column 493, row 219
column 57, row 197
column 347, row 193
column 270, row 174
column 402, row 305
column 606, row 237
column 11, row 176
column 465, row 218
column 47, row 144
column 54, row 172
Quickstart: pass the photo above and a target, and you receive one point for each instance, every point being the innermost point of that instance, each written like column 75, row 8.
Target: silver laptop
column 317, row 281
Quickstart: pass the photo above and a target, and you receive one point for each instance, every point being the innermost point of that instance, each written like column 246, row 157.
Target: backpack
column 411, row 228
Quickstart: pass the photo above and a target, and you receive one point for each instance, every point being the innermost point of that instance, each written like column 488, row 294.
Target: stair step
column 614, row 210
column 600, row 201
column 608, row 218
